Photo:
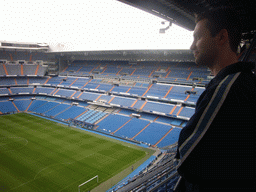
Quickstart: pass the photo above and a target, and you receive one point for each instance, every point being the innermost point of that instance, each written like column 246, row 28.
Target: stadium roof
column 181, row 12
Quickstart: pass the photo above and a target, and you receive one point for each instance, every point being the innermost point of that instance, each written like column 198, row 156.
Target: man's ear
column 223, row 37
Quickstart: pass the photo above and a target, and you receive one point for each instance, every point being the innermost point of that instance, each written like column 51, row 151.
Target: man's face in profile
column 204, row 45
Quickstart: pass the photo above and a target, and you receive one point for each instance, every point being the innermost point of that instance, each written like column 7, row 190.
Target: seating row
column 183, row 70
column 21, row 55
column 143, row 130
column 127, row 102
column 22, row 70
column 167, row 91
column 140, row 130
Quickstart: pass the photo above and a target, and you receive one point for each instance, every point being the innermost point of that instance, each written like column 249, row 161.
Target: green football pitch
column 41, row 155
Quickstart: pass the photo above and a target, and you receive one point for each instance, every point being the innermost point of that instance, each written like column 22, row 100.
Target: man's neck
column 225, row 61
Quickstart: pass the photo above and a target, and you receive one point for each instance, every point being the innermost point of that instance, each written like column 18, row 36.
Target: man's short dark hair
column 223, row 18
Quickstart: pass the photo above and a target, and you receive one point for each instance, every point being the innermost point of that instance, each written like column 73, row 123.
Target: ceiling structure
column 181, row 12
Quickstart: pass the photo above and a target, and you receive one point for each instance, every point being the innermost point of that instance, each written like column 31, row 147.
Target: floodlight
column 162, row 30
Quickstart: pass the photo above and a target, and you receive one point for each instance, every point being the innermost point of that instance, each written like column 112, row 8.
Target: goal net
column 88, row 181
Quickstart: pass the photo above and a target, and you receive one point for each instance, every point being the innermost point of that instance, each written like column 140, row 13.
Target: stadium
column 103, row 120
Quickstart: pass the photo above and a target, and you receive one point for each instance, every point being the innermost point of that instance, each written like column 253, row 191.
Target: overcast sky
column 82, row 25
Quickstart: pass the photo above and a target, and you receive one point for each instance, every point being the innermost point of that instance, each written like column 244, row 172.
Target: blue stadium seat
column 46, row 107
column 7, row 106
column 159, row 107
column 112, row 123
column 132, row 128
column 153, row 133
column 22, row 104
column 56, row 110
column 171, row 138
column 71, row 113
column 46, row 90
column 29, row 69
column 65, row 92
column 89, row 96
column 17, row 90
column 123, row 101
column 35, row 104
column 13, row 69
column 187, row 112
column 4, row 91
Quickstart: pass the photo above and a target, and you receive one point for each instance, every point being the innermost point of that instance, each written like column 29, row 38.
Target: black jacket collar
column 233, row 68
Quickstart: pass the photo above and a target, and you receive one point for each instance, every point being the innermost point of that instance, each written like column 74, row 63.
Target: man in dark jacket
column 216, row 148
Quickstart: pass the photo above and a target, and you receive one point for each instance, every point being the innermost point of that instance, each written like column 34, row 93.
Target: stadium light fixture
column 162, row 30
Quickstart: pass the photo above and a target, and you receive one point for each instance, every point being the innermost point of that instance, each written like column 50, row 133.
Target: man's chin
column 199, row 61
column 206, row 60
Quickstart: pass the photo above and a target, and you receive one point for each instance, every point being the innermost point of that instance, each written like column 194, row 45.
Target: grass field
column 41, row 155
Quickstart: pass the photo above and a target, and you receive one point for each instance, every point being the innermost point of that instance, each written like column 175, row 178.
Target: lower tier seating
column 151, row 129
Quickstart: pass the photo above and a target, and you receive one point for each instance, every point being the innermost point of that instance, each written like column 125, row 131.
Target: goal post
column 88, row 181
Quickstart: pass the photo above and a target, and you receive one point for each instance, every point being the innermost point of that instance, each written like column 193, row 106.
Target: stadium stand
column 7, row 107
column 21, row 55
column 145, row 102
column 80, row 82
column 13, row 69
column 170, row 138
column 151, row 133
column 36, row 104
column 29, row 69
column 44, row 90
column 18, row 90
column 141, row 112
column 187, row 112
column 46, row 107
column 22, row 105
column 71, row 112
column 54, row 81
column 22, row 70
column 2, row 70
column 112, row 123
column 130, row 129
column 4, row 91
column 112, row 98
column 64, row 92
column 125, row 125
column 7, row 81
column 56, row 110
column 157, row 106
column 123, row 101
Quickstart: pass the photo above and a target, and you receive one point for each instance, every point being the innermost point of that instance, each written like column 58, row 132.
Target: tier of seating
column 158, row 176
column 7, row 107
column 149, row 127
column 141, row 109
column 158, row 90
column 125, row 101
column 129, row 127
column 165, row 70
column 153, row 133
column 162, row 109
column 22, row 70
column 21, row 55
column 91, row 116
